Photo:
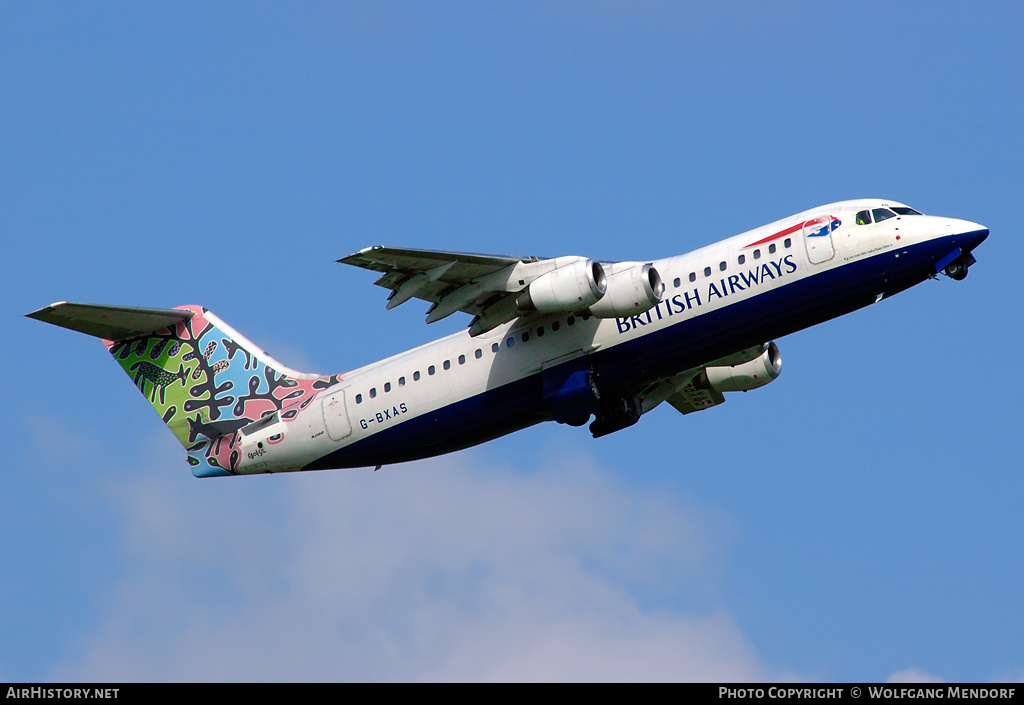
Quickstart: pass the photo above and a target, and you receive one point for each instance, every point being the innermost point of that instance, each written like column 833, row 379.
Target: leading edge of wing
column 382, row 259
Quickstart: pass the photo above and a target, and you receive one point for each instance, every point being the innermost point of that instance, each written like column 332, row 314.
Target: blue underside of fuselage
column 627, row 368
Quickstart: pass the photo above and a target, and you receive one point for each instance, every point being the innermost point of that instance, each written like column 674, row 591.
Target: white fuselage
column 461, row 390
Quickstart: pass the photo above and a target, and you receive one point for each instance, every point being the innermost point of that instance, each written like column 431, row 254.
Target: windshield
column 880, row 214
column 904, row 210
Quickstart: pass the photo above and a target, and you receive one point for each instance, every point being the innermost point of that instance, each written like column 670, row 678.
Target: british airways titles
column 720, row 289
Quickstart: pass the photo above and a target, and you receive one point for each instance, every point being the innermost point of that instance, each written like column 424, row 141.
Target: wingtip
column 364, row 251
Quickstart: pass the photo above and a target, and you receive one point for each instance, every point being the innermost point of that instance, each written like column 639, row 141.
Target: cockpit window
column 882, row 214
column 903, row 210
column 864, row 218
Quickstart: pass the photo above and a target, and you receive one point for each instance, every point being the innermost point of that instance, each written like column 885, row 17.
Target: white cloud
column 1012, row 676
column 452, row 569
column 913, row 675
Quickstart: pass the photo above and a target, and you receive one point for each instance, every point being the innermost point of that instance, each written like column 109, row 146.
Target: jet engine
column 743, row 377
column 630, row 293
column 737, row 358
column 567, row 289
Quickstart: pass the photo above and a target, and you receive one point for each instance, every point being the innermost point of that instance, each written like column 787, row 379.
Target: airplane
column 568, row 339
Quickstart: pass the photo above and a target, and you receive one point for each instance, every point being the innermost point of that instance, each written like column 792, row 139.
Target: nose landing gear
column 957, row 269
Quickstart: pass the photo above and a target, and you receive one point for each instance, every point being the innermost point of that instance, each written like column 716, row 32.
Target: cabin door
column 336, row 415
column 818, row 238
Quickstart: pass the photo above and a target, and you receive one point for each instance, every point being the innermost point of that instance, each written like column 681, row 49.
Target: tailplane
column 205, row 379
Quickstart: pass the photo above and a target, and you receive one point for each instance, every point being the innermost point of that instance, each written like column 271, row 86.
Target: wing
column 701, row 388
column 687, row 392
column 484, row 286
column 688, row 398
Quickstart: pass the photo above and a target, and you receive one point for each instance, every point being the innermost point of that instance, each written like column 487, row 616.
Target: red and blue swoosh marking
column 828, row 223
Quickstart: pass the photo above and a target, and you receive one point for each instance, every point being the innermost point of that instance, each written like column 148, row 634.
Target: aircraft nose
column 974, row 233
column 968, row 235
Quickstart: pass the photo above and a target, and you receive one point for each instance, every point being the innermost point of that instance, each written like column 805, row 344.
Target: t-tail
column 206, row 380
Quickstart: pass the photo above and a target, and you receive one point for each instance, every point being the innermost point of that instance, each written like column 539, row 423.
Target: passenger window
column 707, row 271
column 373, row 392
column 416, row 376
column 741, row 259
column 387, row 387
column 693, row 276
column 359, row 398
column 757, row 254
column 401, row 381
column 494, row 347
column 721, row 266
column 787, row 243
column 479, row 353
column 771, row 249
column 864, row 218
column 462, row 359
column 447, row 364
column 526, row 335
column 540, row 331
column 510, row 342
column 677, row 282
column 881, row 214
column 431, row 370
column 555, row 326
column 570, row 320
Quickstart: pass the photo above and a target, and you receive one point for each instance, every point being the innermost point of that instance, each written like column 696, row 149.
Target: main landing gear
column 618, row 414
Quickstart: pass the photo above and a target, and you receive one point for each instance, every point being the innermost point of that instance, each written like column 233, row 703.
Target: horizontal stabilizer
column 109, row 322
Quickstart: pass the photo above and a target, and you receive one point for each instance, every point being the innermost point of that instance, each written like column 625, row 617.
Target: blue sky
column 856, row 520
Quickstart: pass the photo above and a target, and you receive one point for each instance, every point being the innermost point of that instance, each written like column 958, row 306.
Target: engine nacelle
column 630, row 293
column 568, row 289
column 738, row 358
column 741, row 378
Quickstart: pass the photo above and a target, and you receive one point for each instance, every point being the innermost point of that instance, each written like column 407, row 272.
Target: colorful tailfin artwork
column 204, row 379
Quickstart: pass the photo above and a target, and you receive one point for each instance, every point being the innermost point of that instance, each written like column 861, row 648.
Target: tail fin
column 204, row 379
